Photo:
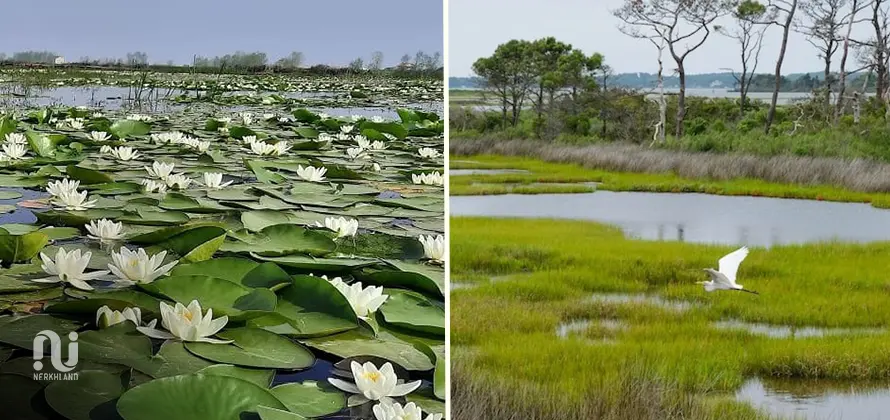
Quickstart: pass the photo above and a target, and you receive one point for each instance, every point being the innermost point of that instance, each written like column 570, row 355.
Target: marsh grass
column 520, row 367
column 850, row 174
column 546, row 177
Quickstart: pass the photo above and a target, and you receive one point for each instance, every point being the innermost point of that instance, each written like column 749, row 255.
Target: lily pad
column 225, row 297
column 188, row 397
column 257, row 348
column 278, row 240
column 414, row 312
column 309, row 399
column 15, row 248
column 91, row 396
column 261, row 377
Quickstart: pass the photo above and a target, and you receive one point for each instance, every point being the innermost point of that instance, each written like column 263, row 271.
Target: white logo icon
column 55, row 354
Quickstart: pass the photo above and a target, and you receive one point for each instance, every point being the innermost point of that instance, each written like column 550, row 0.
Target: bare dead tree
column 684, row 25
column 660, row 128
column 787, row 9
column 749, row 35
column 821, row 24
column 849, row 20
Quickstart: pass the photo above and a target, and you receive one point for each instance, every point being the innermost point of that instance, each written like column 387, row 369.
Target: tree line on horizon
column 421, row 61
column 678, row 28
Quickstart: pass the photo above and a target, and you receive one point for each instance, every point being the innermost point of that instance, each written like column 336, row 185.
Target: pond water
column 105, row 97
column 786, row 331
column 699, row 218
column 817, row 399
column 456, row 172
column 20, row 214
column 640, row 299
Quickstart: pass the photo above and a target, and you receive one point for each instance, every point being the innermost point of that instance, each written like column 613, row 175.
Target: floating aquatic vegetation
column 200, row 228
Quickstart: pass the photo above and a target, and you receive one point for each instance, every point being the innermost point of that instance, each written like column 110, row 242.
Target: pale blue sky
column 478, row 26
column 329, row 32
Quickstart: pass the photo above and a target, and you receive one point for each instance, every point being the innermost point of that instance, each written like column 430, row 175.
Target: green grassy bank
column 644, row 359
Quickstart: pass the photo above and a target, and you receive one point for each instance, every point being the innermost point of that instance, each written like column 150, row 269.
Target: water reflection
column 699, row 218
column 818, row 399
column 20, row 214
column 788, row 331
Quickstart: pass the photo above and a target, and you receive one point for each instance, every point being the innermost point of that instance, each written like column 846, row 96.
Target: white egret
column 724, row 278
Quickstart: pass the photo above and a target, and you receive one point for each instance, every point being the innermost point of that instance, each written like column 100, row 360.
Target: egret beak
column 748, row 291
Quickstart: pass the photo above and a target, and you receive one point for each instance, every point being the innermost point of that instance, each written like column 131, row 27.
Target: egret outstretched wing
column 729, row 264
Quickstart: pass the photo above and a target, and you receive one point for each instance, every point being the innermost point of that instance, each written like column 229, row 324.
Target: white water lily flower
column 139, row 117
column 55, row 188
column 105, row 230
column 201, row 146
column 323, row 116
column 377, row 119
column 106, row 150
column 389, row 137
column 99, row 136
column 173, row 137
column 223, row 130
column 187, row 324
column 346, row 128
column 16, row 138
column 364, row 301
column 434, row 178
column 224, row 120
column 378, row 145
column 428, row 153
column 283, row 119
column 214, row 180
column 343, row 226
column 311, row 173
column 68, row 267
column 376, row 167
column 152, row 186
column 355, row 152
column 75, row 124
column 396, row 411
column 105, row 317
column 248, row 140
column 262, row 148
column 372, row 384
column 138, row 267
column 268, row 116
column 343, row 136
column 178, row 181
column 363, row 142
column 97, row 115
column 125, row 153
column 73, row 200
column 281, row 147
column 246, row 118
column 433, row 248
column 160, row 170
column 15, row 150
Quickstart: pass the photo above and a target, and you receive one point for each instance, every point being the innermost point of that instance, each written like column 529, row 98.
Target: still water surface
column 698, row 218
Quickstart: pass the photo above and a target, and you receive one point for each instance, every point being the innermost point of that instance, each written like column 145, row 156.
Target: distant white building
column 59, row 60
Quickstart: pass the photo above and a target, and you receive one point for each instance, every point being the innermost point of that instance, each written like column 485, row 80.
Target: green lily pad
column 232, row 269
column 197, row 244
column 310, row 306
column 360, row 343
column 87, row 176
column 278, row 240
column 225, row 297
column 91, row 396
column 16, row 248
column 414, row 312
column 9, row 195
column 261, row 377
column 268, row 413
column 254, row 347
column 128, row 128
column 308, row 399
column 188, row 397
